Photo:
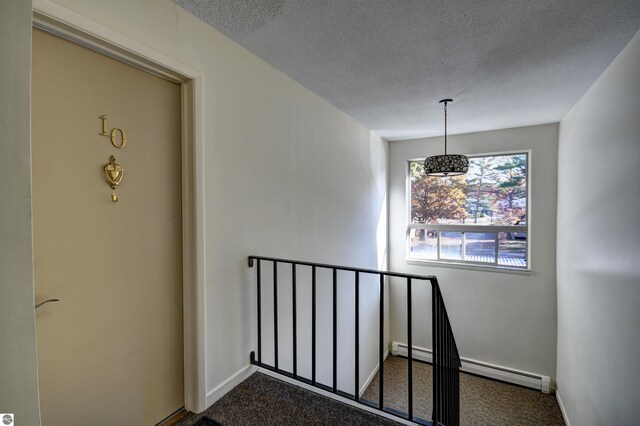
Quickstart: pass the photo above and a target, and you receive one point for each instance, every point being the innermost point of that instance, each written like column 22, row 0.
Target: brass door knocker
column 113, row 172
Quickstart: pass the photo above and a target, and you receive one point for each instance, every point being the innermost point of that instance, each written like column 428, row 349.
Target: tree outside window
column 480, row 217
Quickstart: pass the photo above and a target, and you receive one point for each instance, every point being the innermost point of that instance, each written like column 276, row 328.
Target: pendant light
column 447, row 164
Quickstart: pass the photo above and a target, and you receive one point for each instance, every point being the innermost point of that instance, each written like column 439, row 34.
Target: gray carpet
column 263, row 400
column 482, row 401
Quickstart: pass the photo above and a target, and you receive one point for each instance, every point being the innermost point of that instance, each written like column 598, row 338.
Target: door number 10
column 113, row 134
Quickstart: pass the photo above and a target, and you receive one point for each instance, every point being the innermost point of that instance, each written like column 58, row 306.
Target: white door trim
column 80, row 29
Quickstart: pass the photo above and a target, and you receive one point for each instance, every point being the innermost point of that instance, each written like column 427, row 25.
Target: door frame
column 79, row 29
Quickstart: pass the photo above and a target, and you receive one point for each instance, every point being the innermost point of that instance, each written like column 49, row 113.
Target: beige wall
column 18, row 377
column 599, row 249
column 286, row 174
column 501, row 318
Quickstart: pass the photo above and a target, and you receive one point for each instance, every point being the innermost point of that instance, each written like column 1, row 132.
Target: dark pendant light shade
column 447, row 164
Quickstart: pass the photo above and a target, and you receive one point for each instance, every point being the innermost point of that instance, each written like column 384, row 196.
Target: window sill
column 469, row 266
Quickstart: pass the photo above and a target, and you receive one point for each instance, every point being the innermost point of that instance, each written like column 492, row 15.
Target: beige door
column 110, row 352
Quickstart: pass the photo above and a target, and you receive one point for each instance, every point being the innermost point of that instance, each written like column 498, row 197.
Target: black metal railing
column 446, row 363
column 446, row 360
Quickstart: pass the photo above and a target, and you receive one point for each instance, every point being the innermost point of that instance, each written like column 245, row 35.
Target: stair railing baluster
column 294, row 304
column 313, row 325
column 357, row 338
column 381, row 348
column 259, row 313
column 409, row 353
column 335, row 330
column 437, row 364
column 275, row 314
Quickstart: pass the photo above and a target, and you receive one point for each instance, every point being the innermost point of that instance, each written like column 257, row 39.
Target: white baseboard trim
column 242, row 374
column 233, row 381
column 564, row 413
column 372, row 375
column 334, row 396
column 510, row 375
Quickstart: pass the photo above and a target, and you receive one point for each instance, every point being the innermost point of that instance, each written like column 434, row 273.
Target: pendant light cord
column 445, row 127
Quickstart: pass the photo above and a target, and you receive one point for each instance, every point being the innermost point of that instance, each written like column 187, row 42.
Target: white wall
column 18, row 373
column 286, row 173
column 599, row 249
column 507, row 319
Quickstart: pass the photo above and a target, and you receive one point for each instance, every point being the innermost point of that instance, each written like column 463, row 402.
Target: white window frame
column 470, row 228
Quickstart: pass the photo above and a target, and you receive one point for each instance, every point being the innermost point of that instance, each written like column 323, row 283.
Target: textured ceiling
column 387, row 62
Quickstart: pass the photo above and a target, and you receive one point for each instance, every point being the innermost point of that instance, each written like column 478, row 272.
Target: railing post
column 463, row 249
column 295, row 319
column 381, row 348
column 443, row 399
column 409, row 352
column 259, row 313
column 335, row 330
column 313, row 325
column 447, row 370
column 436, row 354
column 275, row 314
column 357, row 338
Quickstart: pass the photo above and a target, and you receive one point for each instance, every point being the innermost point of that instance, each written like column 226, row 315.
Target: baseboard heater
column 522, row 378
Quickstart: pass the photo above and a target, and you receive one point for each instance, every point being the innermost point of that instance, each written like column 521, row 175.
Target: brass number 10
column 113, row 134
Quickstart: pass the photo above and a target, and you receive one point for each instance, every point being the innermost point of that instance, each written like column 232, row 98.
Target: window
column 479, row 218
